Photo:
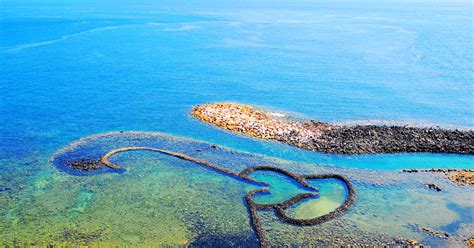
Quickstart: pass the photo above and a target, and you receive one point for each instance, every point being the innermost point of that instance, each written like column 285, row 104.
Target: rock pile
column 433, row 186
column 470, row 242
column 83, row 164
column 463, row 177
column 434, row 233
column 328, row 138
column 459, row 176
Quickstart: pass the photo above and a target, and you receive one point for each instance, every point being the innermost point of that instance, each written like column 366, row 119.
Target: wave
column 62, row 38
column 185, row 27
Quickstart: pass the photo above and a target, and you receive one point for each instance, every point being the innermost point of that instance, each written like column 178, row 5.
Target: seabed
column 157, row 199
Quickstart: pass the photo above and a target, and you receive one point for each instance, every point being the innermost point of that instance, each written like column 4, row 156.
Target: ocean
column 70, row 70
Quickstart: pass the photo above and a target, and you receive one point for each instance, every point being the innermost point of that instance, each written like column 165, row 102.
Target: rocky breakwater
column 337, row 139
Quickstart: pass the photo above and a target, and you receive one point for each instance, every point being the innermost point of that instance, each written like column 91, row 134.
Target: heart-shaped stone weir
column 281, row 191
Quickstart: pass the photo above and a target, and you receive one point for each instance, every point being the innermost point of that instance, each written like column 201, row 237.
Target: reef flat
column 336, row 139
column 160, row 200
column 82, row 165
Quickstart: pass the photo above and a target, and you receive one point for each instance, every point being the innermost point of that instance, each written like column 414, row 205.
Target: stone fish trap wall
column 89, row 164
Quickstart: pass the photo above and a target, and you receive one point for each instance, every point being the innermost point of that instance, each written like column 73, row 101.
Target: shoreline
column 330, row 138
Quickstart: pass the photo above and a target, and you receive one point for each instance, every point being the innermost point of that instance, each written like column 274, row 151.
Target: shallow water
column 72, row 70
column 158, row 199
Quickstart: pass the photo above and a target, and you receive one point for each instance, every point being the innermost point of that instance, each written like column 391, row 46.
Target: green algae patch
column 332, row 195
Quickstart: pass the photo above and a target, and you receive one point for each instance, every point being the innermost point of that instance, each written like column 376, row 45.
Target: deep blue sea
column 68, row 70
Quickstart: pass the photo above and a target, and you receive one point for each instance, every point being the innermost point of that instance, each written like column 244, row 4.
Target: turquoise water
column 72, row 70
column 159, row 199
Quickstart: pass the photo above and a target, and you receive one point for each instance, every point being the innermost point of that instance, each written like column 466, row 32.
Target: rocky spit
column 336, row 139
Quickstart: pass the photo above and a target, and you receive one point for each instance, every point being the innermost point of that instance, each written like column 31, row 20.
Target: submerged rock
column 438, row 234
column 433, row 187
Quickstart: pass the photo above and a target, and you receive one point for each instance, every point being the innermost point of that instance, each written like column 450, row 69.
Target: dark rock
column 433, row 187
column 83, row 164
column 438, row 234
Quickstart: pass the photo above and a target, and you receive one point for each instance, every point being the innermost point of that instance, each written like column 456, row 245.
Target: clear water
column 76, row 69
column 73, row 70
column 158, row 199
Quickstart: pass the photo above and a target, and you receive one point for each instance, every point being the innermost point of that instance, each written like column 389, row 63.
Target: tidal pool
column 158, row 199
